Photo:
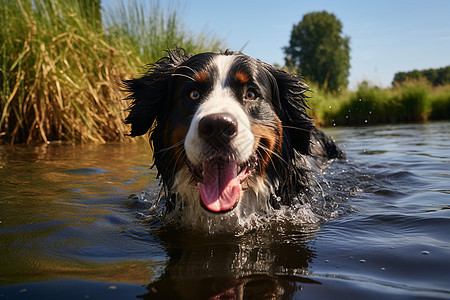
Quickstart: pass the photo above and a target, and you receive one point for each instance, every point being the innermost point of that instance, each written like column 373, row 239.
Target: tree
column 318, row 51
column 436, row 77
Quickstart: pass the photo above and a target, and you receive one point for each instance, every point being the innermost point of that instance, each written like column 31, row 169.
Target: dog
column 229, row 133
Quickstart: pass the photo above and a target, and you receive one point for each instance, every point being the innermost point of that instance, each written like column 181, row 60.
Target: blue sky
column 385, row 36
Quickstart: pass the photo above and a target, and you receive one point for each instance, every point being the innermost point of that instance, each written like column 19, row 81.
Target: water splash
column 319, row 203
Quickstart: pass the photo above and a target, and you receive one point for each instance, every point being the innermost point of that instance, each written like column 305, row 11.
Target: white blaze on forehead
column 223, row 64
column 221, row 100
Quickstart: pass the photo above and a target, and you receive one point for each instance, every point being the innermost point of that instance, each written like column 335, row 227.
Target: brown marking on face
column 242, row 77
column 267, row 143
column 280, row 135
column 201, row 76
column 174, row 140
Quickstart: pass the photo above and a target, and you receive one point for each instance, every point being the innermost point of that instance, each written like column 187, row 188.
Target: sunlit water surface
column 83, row 222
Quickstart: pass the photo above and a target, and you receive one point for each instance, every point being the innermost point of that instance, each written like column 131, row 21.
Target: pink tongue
column 220, row 188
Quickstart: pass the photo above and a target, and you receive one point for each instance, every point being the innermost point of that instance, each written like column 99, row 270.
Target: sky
column 386, row 37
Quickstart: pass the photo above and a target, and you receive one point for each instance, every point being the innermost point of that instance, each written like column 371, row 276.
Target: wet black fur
column 150, row 109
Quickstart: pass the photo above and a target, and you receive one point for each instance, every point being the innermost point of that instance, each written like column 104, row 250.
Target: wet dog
column 229, row 132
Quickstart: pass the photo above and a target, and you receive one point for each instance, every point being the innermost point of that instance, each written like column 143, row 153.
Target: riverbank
column 415, row 101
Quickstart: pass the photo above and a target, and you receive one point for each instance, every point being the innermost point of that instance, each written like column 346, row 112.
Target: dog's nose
column 221, row 127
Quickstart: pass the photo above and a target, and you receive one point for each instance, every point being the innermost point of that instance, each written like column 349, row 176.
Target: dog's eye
column 250, row 95
column 194, row 95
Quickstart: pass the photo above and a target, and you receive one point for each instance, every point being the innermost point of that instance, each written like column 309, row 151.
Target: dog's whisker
column 296, row 128
column 182, row 75
column 178, row 155
column 271, row 154
column 170, row 147
column 268, row 151
column 187, row 67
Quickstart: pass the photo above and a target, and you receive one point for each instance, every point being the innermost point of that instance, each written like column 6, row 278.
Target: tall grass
column 59, row 72
column 145, row 28
column 440, row 103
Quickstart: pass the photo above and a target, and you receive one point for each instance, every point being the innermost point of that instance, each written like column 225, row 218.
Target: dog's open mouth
column 220, row 181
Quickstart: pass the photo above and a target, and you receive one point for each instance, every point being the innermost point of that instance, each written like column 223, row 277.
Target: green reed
column 60, row 71
column 414, row 101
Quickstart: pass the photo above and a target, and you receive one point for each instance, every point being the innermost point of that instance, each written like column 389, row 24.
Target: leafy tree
column 318, row 51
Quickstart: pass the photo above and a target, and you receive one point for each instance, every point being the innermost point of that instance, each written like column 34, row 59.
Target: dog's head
column 225, row 122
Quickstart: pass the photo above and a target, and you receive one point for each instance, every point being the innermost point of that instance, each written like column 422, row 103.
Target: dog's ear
column 149, row 93
column 291, row 108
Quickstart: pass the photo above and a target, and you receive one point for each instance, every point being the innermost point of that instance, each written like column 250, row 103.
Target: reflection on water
column 260, row 263
column 84, row 218
column 62, row 205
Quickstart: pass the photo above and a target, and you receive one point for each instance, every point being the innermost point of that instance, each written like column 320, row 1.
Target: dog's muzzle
column 219, row 175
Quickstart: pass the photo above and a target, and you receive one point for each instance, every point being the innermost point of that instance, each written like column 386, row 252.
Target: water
column 76, row 223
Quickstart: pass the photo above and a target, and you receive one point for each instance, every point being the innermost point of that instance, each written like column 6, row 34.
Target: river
column 81, row 222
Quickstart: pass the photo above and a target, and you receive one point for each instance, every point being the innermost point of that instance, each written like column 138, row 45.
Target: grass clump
column 324, row 106
column 59, row 71
column 414, row 101
column 440, row 103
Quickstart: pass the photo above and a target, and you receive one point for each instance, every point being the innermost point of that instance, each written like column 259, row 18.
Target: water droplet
column 365, row 121
column 329, row 107
column 363, row 261
column 383, row 269
column 425, row 252
column 326, row 261
column 359, row 100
